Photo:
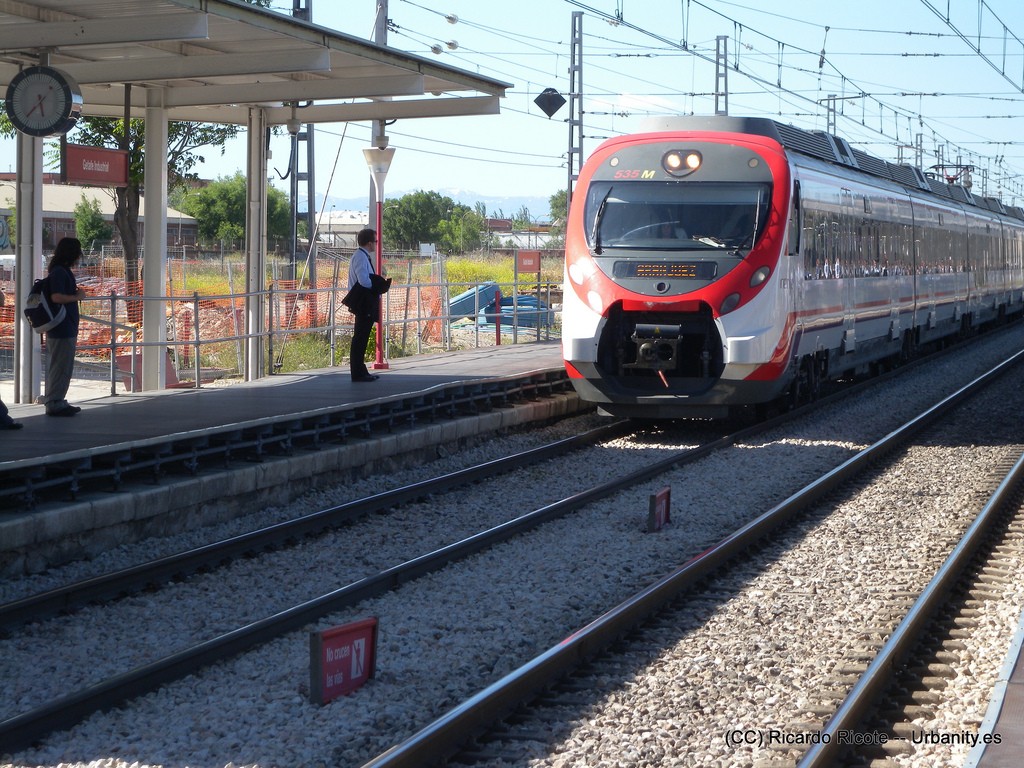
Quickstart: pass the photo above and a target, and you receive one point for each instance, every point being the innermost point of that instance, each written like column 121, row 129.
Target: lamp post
column 378, row 161
column 462, row 230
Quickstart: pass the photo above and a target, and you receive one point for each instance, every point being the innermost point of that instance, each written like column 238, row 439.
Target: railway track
column 31, row 725
column 157, row 572
column 21, row 729
column 894, row 704
column 98, row 695
column 568, row 681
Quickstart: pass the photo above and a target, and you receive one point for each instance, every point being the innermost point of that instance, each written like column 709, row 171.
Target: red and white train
column 720, row 262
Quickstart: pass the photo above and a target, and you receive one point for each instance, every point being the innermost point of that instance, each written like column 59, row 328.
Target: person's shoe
column 367, row 377
column 12, row 425
column 69, row 410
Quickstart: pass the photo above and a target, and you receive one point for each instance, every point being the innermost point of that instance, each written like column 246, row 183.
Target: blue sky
column 894, row 50
column 897, row 70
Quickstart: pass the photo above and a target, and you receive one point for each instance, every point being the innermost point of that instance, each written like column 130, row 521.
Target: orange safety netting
column 294, row 307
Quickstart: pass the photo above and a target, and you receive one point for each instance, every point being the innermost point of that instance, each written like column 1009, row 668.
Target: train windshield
column 672, row 215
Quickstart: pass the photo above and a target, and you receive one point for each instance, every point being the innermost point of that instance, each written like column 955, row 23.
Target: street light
column 379, row 161
column 462, row 230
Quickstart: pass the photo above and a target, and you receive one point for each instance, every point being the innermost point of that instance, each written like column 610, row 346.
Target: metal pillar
column 309, row 176
column 379, row 132
column 575, row 156
column 303, row 10
column 722, row 75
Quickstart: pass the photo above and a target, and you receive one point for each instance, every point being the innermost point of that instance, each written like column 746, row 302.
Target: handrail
column 415, row 320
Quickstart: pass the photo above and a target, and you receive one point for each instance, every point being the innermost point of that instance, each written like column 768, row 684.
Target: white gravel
column 448, row 635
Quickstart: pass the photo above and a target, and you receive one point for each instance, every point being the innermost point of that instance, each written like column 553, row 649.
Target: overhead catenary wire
column 889, row 117
column 535, row 61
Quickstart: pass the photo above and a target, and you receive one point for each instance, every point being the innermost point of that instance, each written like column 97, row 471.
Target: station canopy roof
column 213, row 59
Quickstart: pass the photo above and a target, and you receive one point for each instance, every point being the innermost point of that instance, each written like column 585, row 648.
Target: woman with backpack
column 62, row 339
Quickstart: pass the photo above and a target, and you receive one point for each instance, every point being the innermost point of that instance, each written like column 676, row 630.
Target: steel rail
column 161, row 570
column 447, row 734
column 21, row 730
column 866, row 692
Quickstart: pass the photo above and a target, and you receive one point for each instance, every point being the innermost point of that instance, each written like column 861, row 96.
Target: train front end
column 676, row 299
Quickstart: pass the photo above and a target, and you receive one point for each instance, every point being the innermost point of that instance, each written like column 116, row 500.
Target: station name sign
column 93, row 166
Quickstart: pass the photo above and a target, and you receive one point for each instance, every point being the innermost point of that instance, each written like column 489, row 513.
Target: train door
column 797, row 267
column 1015, row 262
column 846, row 269
column 897, row 252
column 979, row 300
column 956, row 226
column 925, row 276
column 820, row 294
column 1000, row 264
column 873, row 300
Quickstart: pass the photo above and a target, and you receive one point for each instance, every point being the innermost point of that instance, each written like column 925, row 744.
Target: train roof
column 834, row 149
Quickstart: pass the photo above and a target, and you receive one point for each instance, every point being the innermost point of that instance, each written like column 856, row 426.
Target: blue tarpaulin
column 467, row 304
column 528, row 311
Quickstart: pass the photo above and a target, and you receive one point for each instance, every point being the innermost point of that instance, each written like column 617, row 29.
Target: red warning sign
column 341, row 659
column 658, row 513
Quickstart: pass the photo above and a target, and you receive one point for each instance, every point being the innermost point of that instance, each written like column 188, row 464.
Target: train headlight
column 730, row 303
column 760, row 276
column 681, row 162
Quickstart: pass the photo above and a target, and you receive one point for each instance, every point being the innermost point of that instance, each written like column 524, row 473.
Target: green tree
column 12, row 225
column 460, row 232
column 416, row 218
column 522, row 219
column 183, row 139
column 89, row 224
column 559, row 212
column 219, row 209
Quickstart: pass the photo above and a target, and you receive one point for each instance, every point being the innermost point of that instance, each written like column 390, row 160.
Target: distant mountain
column 507, row 206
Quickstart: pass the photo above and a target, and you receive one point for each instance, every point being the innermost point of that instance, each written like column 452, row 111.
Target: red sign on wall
column 341, row 659
column 93, row 166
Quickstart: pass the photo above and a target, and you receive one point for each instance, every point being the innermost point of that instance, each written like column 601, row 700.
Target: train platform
column 134, row 464
column 1001, row 734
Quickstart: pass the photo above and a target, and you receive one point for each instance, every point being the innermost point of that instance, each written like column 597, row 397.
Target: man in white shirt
column 367, row 308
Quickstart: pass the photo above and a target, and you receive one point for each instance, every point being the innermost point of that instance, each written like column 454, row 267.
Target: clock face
column 42, row 101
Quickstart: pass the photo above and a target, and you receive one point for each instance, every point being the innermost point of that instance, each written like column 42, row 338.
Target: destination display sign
column 685, row 270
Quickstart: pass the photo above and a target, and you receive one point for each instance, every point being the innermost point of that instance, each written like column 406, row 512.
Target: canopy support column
column 154, row 263
column 256, row 244
column 28, row 265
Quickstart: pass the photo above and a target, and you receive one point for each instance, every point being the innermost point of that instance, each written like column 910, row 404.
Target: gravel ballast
column 448, row 635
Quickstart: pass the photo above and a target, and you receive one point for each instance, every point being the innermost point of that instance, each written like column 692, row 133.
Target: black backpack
column 40, row 310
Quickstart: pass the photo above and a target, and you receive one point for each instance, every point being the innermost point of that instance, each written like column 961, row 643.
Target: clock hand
column 39, row 106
